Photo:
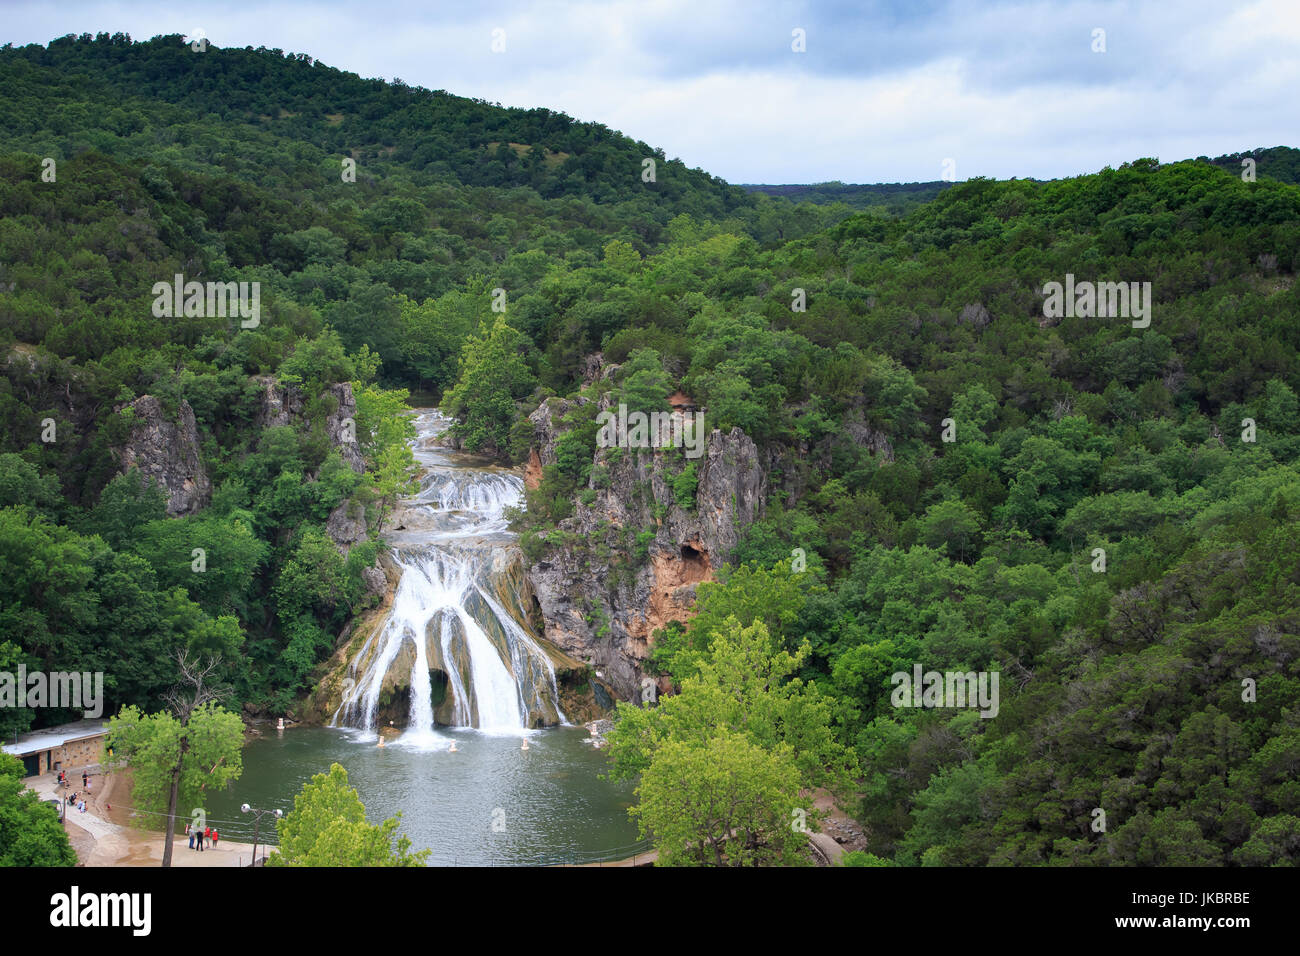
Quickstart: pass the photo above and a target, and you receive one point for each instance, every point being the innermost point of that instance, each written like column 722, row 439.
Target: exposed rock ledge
column 285, row 405
column 597, row 601
column 166, row 451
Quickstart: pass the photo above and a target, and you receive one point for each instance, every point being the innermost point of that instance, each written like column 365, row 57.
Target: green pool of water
column 490, row 803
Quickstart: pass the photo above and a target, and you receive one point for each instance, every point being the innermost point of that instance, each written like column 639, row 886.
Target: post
column 257, row 822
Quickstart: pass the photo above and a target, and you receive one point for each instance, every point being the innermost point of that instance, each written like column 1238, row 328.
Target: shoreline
column 105, row 835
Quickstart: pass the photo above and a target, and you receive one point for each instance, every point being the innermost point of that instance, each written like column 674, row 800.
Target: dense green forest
column 947, row 460
column 895, row 198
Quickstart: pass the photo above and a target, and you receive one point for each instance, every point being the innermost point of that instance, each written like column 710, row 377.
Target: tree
column 952, row 524
column 492, row 375
column 723, row 802
column 740, row 704
column 327, row 827
column 22, row 484
column 394, row 477
column 176, row 757
column 127, row 503
column 773, row 595
column 30, row 831
column 13, row 720
column 645, row 384
column 384, row 430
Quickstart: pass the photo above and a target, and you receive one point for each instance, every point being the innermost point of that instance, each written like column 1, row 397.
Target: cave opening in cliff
column 695, row 564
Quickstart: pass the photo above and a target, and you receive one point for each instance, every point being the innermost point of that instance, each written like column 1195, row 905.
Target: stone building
column 70, row 747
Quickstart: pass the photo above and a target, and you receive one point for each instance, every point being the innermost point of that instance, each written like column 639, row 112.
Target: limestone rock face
column 346, row 524
column 602, row 598
column 286, row 405
column 376, row 581
column 166, row 450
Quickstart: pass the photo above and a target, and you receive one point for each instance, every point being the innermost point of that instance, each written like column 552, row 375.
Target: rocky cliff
column 633, row 553
column 165, row 448
column 286, row 405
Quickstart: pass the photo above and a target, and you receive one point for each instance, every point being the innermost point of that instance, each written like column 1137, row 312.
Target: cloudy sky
column 884, row 91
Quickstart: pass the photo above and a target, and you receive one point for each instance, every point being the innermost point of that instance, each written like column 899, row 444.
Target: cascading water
column 457, row 618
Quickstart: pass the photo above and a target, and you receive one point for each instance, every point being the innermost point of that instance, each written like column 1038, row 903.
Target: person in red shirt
column 215, row 836
column 207, row 835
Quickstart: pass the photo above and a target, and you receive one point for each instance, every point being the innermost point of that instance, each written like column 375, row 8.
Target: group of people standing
column 85, row 779
column 75, row 800
column 199, row 837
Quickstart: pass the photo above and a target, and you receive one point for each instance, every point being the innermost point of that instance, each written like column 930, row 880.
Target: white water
column 452, row 544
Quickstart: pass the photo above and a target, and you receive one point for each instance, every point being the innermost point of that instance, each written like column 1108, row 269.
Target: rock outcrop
column 286, row 405
column 636, row 553
column 166, row 451
column 346, row 524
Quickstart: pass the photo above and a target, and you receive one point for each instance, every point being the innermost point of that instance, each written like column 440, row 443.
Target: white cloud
column 1006, row 89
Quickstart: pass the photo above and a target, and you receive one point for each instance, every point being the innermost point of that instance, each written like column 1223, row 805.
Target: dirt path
column 839, row 828
column 105, row 835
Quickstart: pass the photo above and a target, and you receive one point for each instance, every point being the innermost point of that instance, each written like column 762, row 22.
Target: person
column 215, row 836
column 207, row 835
column 85, row 779
column 189, row 832
column 198, row 839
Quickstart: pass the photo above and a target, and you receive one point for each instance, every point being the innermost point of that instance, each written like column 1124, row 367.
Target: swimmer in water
column 381, row 741
column 452, row 748
column 525, row 746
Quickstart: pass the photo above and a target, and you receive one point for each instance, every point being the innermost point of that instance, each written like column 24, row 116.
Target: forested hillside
column 897, row 198
column 945, row 461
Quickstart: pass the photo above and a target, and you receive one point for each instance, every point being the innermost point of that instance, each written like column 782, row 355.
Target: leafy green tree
column 327, row 827
column 317, row 363
column 30, row 831
column 13, row 720
column 722, row 802
column 176, row 757
column 645, row 384
column 493, row 375
column 394, row 477
column 774, row 596
column 126, row 504
column 22, row 484
column 953, row 525
column 744, row 690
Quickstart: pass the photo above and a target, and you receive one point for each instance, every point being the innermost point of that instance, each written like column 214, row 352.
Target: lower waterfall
column 457, row 635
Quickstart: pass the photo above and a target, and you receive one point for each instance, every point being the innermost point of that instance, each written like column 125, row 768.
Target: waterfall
column 458, row 611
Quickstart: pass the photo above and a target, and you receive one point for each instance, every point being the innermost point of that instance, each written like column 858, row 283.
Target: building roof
column 50, row 737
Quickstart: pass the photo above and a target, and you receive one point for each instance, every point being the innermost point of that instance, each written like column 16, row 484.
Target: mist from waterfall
column 458, row 610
